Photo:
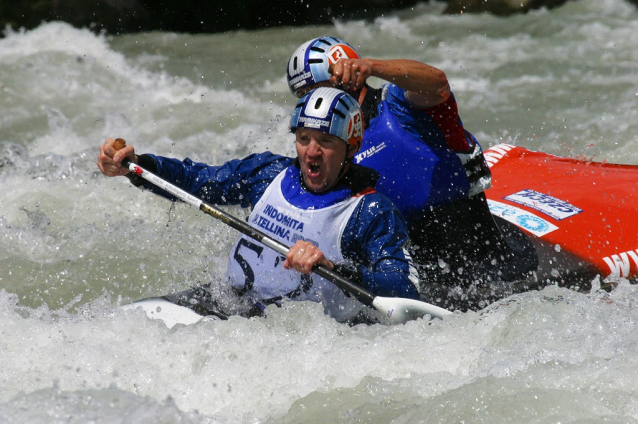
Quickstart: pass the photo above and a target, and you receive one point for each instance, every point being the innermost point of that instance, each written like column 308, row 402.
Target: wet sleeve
column 374, row 243
column 439, row 126
column 237, row 182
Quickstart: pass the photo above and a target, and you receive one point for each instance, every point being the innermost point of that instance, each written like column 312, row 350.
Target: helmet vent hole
column 318, row 102
column 317, row 49
column 339, row 113
column 294, row 64
column 315, row 61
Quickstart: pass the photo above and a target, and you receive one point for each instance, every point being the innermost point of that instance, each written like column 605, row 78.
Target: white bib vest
column 257, row 271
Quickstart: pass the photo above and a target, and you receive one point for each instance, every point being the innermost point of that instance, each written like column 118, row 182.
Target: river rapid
column 74, row 245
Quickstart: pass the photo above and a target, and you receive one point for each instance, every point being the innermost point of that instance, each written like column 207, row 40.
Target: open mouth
column 313, row 169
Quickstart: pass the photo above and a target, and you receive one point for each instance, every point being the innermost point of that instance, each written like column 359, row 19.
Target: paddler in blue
column 430, row 166
column 320, row 203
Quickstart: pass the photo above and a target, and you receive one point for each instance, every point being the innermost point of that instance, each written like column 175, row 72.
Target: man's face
column 321, row 157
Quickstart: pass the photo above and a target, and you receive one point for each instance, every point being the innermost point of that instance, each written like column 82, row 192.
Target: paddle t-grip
column 119, row 144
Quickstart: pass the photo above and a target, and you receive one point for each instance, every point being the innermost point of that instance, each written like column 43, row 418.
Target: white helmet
column 309, row 64
column 330, row 111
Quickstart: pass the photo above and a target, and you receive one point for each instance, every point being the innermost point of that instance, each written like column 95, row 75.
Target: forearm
column 425, row 85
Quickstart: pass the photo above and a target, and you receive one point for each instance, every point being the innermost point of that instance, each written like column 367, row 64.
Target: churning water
column 74, row 245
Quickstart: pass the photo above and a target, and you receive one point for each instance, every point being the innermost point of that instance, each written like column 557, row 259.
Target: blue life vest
column 414, row 175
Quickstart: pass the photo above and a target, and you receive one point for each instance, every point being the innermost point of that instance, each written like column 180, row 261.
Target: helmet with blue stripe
column 330, row 111
column 310, row 63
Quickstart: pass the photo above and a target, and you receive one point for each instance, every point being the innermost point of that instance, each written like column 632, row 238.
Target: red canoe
column 581, row 210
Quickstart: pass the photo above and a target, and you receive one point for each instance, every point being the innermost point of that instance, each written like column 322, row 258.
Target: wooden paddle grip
column 119, row 144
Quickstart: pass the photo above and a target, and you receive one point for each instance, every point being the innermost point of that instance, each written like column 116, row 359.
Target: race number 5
column 249, row 274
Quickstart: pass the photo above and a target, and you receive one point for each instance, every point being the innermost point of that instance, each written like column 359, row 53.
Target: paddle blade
column 162, row 309
column 399, row 310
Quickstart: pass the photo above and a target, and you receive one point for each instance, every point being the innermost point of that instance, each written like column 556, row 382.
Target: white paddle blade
column 398, row 310
column 162, row 309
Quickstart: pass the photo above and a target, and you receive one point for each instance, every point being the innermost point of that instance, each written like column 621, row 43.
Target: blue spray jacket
column 374, row 238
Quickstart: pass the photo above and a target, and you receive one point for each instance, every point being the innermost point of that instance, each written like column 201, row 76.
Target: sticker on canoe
column 549, row 205
column 620, row 265
column 521, row 218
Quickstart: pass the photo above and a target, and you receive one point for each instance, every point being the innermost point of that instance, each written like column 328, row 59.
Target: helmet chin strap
column 362, row 94
column 346, row 162
column 344, row 165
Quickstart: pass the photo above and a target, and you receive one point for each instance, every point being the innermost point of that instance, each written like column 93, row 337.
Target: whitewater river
column 74, row 245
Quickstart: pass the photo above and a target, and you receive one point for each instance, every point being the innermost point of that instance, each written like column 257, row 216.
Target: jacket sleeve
column 439, row 126
column 374, row 243
column 237, row 182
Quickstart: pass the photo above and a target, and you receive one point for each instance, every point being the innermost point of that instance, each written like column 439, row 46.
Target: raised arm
column 425, row 85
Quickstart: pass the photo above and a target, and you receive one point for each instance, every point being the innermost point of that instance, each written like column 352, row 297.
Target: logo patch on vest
column 278, row 223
